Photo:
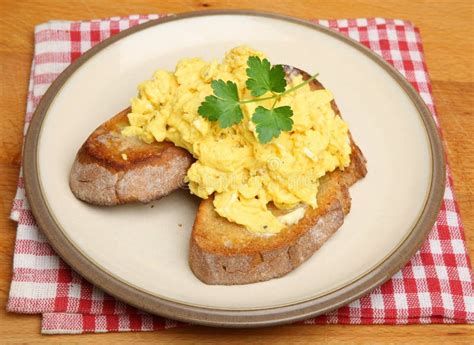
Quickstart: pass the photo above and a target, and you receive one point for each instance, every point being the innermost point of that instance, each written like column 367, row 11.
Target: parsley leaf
column 263, row 77
column 223, row 106
column 270, row 122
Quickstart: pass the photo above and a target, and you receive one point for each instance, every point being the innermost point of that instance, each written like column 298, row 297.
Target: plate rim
column 218, row 316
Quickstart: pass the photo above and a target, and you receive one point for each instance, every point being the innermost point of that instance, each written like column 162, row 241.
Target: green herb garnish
column 224, row 105
column 270, row 122
column 262, row 78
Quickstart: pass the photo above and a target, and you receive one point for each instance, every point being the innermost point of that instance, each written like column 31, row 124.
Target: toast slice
column 112, row 169
column 226, row 253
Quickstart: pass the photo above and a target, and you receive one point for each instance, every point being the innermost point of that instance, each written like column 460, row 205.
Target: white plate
column 146, row 248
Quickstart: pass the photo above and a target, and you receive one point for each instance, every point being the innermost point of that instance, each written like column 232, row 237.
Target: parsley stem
column 277, row 96
column 309, row 80
column 252, row 100
column 274, row 103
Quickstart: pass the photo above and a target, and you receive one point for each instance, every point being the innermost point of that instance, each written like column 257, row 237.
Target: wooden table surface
column 448, row 38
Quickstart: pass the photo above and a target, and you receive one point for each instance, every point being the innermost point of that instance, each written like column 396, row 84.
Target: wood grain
column 448, row 37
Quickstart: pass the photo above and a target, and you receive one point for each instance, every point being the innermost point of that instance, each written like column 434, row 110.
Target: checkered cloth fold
column 436, row 286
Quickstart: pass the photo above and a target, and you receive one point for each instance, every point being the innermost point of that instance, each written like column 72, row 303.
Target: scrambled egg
column 243, row 174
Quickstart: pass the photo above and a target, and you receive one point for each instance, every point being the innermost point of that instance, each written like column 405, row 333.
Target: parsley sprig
column 224, row 105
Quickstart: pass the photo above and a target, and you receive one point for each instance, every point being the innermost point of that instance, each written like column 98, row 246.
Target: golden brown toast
column 112, row 169
column 226, row 253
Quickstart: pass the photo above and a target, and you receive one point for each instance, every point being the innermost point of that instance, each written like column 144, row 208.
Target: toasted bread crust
column 101, row 176
column 226, row 253
column 217, row 268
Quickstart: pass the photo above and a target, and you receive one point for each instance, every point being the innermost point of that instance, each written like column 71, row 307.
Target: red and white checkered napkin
column 436, row 286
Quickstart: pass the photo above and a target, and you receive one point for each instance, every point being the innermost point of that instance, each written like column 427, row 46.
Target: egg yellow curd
column 243, row 175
